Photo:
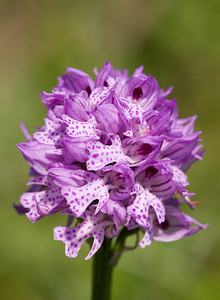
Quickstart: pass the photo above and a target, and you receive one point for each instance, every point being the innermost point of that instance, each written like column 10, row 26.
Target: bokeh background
column 178, row 42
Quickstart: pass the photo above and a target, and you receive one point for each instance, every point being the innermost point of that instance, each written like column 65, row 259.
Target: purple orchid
column 111, row 155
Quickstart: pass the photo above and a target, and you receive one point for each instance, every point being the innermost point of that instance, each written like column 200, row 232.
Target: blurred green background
column 178, row 42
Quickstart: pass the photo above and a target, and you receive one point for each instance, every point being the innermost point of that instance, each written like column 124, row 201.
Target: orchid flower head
column 112, row 154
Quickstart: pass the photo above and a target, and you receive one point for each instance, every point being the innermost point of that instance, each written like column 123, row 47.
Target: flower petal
column 75, row 149
column 140, row 207
column 91, row 188
column 37, row 155
column 73, row 238
column 102, row 155
column 76, row 80
column 118, row 211
column 178, row 226
column 98, row 96
column 80, row 129
column 147, row 239
column 104, row 74
column 108, row 116
column 41, row 203
column 52, row 135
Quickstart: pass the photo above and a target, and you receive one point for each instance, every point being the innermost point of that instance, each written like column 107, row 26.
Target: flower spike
column 112, row 155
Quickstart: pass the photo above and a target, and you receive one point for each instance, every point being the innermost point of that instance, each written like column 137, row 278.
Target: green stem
column 102, row 272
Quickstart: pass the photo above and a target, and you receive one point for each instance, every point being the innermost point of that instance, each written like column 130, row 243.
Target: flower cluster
column 111, row 155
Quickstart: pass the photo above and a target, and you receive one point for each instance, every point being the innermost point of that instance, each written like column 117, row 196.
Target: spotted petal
column 147, row 239
column 42, row 202
column 73, row 238
column 102, row 155
column 99, row 96
column 52, row 135
column 80, row 188
column 140, row 207
column 80, row 129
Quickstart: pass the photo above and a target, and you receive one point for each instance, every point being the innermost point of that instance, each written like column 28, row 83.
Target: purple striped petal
column 163, row 186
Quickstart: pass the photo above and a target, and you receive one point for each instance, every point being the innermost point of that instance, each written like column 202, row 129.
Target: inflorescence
column 111, row 155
